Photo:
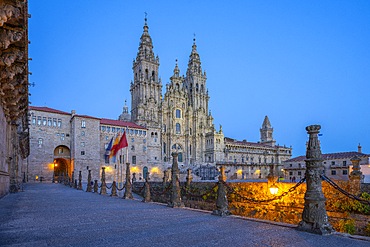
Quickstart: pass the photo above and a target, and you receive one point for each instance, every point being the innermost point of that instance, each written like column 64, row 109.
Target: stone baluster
column 89, row 187
column 128, row 186
column 79, row 180
column 147, row 189
column 222, row 204
column 314, row 216
column 175, row 200
column 96, row 186
column 103, row 189
column 114, row 189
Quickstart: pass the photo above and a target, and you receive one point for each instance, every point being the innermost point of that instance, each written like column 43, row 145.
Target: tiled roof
column 47, row 109
column 86, row 116
column 120, row 123
column 332, row 156
column 229, row 140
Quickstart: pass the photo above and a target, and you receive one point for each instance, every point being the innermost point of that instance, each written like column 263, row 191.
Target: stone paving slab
column 56, row 215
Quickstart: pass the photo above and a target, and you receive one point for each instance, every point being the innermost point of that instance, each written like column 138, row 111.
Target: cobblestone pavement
column 56, row 215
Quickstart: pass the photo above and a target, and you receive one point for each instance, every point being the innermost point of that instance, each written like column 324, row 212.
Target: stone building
column 14, row 136
column 336, row 165
column 254, row 160
column 180, row 121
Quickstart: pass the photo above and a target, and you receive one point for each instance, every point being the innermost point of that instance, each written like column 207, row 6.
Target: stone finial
column 114, row 189
column 79, row 180
column 314, row 216
column 222, row 176
column 175, row 200
column 189, row 178
column 89, row 187
column 103, row 189
column 128, row 187
column 313, row 147
column 96, row 186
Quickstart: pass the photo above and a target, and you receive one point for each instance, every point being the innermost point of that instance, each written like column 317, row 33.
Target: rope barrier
column 231, row 190
column 163, row 192
column 335, row 186
column 108, row 186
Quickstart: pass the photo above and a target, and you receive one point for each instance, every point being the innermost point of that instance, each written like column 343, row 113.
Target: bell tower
column 146, row 89
column 266, row 132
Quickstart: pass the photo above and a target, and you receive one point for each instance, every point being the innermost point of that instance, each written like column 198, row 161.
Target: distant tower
column 146, row 89
column 266, row 132
column 125, row 115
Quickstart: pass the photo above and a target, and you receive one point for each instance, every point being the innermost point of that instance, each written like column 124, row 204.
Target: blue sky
column 299, row 62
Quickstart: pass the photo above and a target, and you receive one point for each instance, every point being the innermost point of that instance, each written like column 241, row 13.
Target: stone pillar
column 114, row 189
column 79, row 180
column 221, row 201
column 75, row 184
column 73, row 179
column 128, row 187
column 165, row 178
column 175, row 200
column 355, row 176
column 147, row 189
column 314, row 216
column 96, row 186
column 189, row 178
column 89, row 187
column 103, row 189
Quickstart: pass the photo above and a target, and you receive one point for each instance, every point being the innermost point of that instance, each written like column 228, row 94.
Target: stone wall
column 4, row 174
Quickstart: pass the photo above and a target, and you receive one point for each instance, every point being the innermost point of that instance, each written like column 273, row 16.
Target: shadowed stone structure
column 314, row 216
column 114, row 189
column 221, row 202
column 103, row 189
column 189, row 178
column 147, row 189
column 96, row 186
column 355, row 176
column 89, row 188
column 79, row 180
column 128, row 187
column 175, row 200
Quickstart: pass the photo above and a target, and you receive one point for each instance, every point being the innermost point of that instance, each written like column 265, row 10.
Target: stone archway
column 62, row 161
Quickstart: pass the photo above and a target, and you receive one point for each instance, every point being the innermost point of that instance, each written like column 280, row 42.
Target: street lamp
column 273, row 189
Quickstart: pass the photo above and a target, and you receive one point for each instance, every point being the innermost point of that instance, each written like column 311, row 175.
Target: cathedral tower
column 146, row 89
column 266, row 132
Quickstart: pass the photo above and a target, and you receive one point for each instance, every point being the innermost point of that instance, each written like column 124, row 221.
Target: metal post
column 128, row 188
column 103, row 189
column 89, row 188
column 221, row 203
column 314, row 216
column 175, row 200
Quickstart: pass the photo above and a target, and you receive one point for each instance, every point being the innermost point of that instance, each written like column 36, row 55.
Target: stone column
column 355, row 176
column 73, row 179
column 96, row 186
column 89, row 188
column 314, row 216
column 147, row 189
column 189, row 178
column 221, row 201
column 79, row 180
column 114, row 189
column 128, row 187
column 103, row 189
column 165, row 178
column 175, row 200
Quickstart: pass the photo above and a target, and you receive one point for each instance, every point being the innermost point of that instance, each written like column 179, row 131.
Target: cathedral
column 179, row 121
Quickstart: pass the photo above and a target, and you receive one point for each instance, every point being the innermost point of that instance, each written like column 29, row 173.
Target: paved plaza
column 48, row 214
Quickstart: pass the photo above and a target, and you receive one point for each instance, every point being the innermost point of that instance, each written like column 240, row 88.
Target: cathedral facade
column 157, row 125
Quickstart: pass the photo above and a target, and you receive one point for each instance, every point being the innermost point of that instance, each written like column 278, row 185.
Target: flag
column 112, row 151
column 107, row 151
column 122, row 144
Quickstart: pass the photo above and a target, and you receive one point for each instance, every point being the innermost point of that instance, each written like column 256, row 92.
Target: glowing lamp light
column 273, row 189
column 239, row 172
column 154, row 170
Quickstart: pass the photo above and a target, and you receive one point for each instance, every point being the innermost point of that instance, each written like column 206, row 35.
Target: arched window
column 178, row 128
column 197, row 87
column 178, row 113
column 153, row 75
column 179, row 158
column 146, row 74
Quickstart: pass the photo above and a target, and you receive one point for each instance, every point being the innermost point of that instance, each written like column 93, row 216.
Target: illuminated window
column 83, row 124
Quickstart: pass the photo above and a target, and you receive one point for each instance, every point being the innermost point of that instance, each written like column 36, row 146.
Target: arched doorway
column 62, row 162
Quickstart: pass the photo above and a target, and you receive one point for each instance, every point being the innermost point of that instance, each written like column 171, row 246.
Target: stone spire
column 146, row 45
column 266, row 132
column 194, row 64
